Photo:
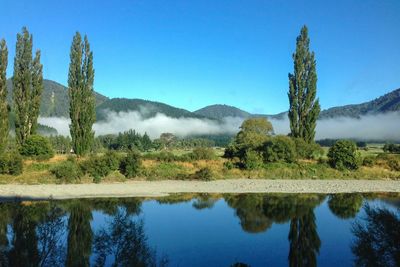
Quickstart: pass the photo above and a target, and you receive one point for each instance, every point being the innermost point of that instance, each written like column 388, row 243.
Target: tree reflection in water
column 377, row 238
column 345, row 206
column 125, row 241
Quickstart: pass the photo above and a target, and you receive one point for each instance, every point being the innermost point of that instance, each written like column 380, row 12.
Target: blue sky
column 193, row 53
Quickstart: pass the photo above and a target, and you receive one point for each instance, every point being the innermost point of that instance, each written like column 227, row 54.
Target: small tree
column 343, row 155
column 130, row 166
column 38, row 147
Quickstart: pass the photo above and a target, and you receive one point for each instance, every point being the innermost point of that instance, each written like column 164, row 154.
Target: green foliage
column 60, row 143
column 131, row 165
column 391, row 148
column 303, row 107
column 202, row 153
column 253, row 160
column 394, row 164
column 67, row 171
column 279, row 148
column 306, row 150
column 100, row 166
column 38, row 147
column 368, row 161
column 11, row 163
column 126, row 141
column 204, row 174
column 253, row 134
column 4, row 126
column 28, row 87
column 343, row 155
column 81, row 95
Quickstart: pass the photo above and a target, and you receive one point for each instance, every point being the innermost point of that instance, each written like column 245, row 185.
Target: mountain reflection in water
column 151, row 232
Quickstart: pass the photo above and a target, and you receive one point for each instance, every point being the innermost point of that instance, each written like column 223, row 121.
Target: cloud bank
column 371, row 127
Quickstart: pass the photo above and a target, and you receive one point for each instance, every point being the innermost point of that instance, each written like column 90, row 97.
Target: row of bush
column 199, row 153
column 99, row 167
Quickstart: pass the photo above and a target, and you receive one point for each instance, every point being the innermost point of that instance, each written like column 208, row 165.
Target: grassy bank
column 182, row 167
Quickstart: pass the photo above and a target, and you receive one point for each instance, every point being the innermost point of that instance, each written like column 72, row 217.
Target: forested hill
column 222, row 111
column 386, row 103
column 146, row 108
column 55, row 101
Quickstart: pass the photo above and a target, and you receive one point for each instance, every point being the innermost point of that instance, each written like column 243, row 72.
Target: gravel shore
column 163, row 188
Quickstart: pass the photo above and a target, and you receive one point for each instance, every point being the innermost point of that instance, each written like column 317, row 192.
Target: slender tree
column 304, row 107
column 82, row 101
column 28, row 87
column 3, row 96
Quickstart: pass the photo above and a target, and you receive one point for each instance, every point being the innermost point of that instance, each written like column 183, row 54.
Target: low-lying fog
column 371, row 127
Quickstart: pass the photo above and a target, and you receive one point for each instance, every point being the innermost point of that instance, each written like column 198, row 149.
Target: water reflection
column 61, row 233
column 377, row 238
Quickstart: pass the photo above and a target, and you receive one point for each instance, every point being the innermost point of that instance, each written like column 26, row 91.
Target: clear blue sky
column 192, row 53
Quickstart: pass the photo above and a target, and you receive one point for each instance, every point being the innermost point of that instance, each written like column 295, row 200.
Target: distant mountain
column 55, row 101
column 146, row 108
column 222, row 111
column 386, row 103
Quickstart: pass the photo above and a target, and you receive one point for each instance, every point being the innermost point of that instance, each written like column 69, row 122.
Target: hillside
column 146, row 108
column 386, row 103
column 55, row 101
column 222, row 111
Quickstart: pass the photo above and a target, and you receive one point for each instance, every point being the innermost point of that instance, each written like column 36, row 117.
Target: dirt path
column 162, row 188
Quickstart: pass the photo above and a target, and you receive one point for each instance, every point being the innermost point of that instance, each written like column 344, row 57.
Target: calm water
column 204, row 230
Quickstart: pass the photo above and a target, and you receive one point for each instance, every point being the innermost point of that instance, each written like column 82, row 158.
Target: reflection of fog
column 377, row 238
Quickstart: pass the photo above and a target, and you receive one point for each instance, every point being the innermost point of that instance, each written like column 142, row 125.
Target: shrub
column 279, row 148
column 204, row 174
column 343, row 155
column 394, row 164
column 306, row 150
column 199, row 153
column 11, row 163
column 368, row 161
column 164, row 156
column 101, row 166
column 253, row 160
column 68, row 171
column 130, row 166
column 38, row 147
column 229, row 165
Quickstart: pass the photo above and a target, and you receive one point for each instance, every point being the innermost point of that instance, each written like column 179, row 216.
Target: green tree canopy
column 304, row 107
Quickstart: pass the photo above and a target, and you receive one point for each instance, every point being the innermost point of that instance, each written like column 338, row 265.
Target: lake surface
column 204, row 230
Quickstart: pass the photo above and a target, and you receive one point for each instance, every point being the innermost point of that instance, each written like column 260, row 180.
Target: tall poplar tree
column 28, row 87
column 304, row 107
column 3, row 96
column 80, row 90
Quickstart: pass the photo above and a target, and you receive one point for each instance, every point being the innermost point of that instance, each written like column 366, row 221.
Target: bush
column 101, row 166
column 343, row 155
column 11, row 163
column 279, row 148
column 253, row 160
column 204, row 174
column 164, row 156
column 130, row 166
column 394, row 164
column 368, row 161
column 306, row 150
column 229, row 165
column 68, row 171
column 38, row 147
column 204, row 153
